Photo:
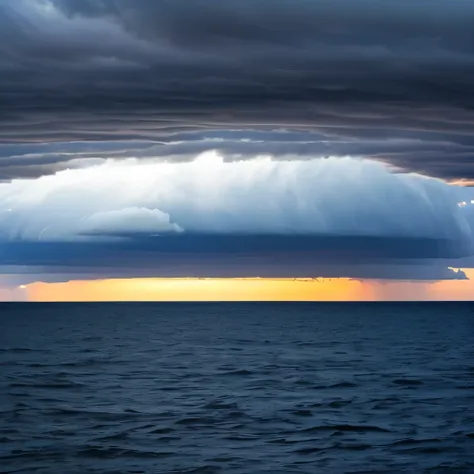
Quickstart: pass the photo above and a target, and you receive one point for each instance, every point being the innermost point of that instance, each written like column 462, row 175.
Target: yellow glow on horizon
column 250, row 289
column 193, row 289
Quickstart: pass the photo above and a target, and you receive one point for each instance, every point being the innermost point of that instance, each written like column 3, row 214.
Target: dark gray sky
column 88, row 84
column 393, row 80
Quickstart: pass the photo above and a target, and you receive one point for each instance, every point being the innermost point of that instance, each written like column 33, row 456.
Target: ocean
column 233, row 388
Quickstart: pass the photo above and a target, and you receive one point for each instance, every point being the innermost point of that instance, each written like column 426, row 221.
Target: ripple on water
column 237, row 389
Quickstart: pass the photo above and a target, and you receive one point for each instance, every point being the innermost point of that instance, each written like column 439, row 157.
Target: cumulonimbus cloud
column 86, row 83
column 345, row 197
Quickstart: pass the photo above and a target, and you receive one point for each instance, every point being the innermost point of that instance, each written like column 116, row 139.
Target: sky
column 177, row 150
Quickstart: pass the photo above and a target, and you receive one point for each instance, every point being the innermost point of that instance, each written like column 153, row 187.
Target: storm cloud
column 263, row 138
column 347, row 197
column 260, row 218
column 384, row 79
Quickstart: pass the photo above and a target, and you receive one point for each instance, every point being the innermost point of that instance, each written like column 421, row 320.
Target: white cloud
column 149, row 221
column 331, row 196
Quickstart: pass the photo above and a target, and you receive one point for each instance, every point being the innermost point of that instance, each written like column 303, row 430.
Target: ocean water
column 237, row 388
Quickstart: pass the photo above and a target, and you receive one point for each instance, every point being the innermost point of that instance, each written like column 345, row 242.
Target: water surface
column 237, row 388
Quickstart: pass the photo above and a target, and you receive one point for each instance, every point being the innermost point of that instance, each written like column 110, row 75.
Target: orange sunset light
column 193, row 289
column 249, row 289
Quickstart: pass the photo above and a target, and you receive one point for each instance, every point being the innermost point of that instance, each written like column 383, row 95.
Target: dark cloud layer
column 213, row 256
column 352, row 73
column 318, row 249
column 434, row 157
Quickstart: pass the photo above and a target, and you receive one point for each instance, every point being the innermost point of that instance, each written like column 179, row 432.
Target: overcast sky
column 212, row 129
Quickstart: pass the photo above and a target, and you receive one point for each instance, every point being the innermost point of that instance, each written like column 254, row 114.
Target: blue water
column 237, row 388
